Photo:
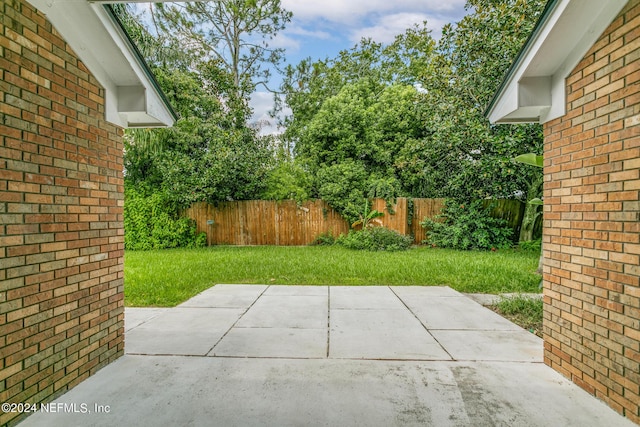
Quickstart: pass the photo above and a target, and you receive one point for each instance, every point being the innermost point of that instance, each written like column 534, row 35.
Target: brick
column 604, row 206
column 23, row 187
column 22, row 250
column 11, row 240
column 34, row 152
column 623, row 51
column 626, row 175
column 632, row 163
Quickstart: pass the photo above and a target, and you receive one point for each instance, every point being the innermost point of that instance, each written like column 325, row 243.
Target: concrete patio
column 244, row 355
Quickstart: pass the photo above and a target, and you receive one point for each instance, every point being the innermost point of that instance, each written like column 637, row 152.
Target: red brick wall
column 592, row 221
column 61, row 200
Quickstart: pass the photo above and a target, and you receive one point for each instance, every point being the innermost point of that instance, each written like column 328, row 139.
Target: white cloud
column 380, row 20
column 262, row 103
column 353, row 11
column 289, row 39
column 388, row 27
column 436, row 25
column 297, row 30
column 283, row 41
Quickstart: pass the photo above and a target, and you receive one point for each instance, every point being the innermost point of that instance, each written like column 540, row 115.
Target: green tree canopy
column 412, row 112
column 210, row 154
column 466, row 156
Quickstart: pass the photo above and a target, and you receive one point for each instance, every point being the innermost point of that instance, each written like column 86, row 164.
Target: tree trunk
column 531, row 211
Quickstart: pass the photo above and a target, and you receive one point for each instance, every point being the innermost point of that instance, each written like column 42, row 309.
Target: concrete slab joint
column 318, row 355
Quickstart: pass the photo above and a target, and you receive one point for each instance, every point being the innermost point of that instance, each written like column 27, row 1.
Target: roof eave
column 534, row 87
column 132, row 95
column 169, row 115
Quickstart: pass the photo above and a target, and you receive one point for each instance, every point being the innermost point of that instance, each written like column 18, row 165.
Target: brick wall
column 592, row 222
column 61, row 200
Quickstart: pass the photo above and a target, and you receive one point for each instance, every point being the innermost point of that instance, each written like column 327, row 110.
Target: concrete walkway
column 248, row 355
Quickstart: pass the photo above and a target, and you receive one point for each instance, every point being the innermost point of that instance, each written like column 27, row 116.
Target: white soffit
column 132, row 96
column 534, row 89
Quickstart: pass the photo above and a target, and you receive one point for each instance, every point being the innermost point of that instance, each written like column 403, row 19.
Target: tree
column 204, row 156
column 288, row 181
column 233, row 33
column 469, row 157
column 210, row 154
column 361, row 128
column 437, row 142
column 365, row 121
column 308, row 85
column 352, row 114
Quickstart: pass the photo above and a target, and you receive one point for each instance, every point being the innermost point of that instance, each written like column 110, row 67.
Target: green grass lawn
column 522, row 310
column 168, row 277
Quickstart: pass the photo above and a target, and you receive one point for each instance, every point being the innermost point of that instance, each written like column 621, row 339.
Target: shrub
column 531, row 245
column 342, row 186
column 151, row 223
column 467, row 226
column 347, row 187
column 375, row 239
column 324, row 239
column 288, row 181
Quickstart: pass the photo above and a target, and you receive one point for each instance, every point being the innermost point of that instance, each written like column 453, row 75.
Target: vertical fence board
column 424, row 208
column 395, row 215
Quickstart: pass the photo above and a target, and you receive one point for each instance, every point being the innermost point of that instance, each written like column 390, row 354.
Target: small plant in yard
column 368, row 218
column 467, row 226
column 324, row 239
column 375, row 239
column 522, row 310
column 531, row 245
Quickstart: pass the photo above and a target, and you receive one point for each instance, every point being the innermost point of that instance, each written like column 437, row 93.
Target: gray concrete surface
column 490, row 299
column 239, row 355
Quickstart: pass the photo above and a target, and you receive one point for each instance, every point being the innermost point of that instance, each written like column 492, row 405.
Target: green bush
column 324, row 239
column 467, row 226
column 375, row 239
column 531, row 245
column 151, row 223
column 342, row 186
column 288, row 181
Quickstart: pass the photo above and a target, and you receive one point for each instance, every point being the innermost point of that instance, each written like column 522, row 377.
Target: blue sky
column 322, row 28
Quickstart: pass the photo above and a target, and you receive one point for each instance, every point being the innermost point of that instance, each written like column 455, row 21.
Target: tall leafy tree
column 309, row 84
column 210, row 154
column 465, row 157
column 412, row 113
column 236, row 34
column 353, row 113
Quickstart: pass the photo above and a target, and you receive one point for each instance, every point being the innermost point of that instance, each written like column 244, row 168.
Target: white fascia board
column 534, row 90
column 105, row 50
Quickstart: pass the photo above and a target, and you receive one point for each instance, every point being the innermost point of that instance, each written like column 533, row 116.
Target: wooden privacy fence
column 286, row 223
column 423, row 208
column 266, row 222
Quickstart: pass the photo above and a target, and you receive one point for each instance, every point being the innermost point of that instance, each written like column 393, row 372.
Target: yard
column 166, row 278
